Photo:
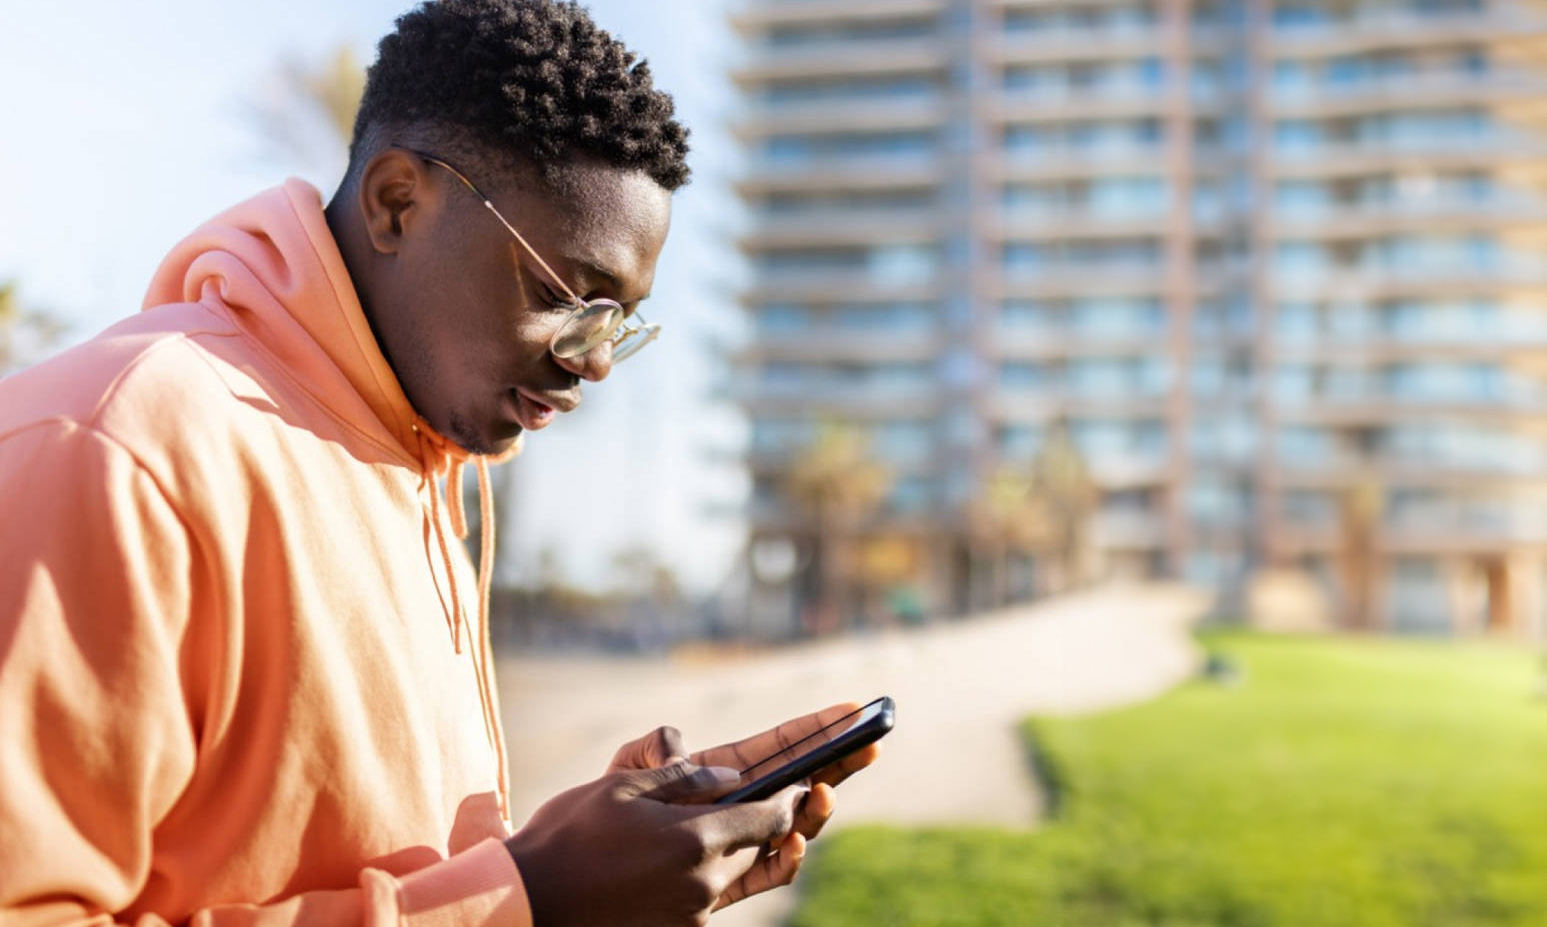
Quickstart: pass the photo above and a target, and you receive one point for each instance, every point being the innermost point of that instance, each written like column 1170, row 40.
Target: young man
column 245, row 675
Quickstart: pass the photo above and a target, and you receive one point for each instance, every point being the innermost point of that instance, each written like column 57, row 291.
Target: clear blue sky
column 128, row 124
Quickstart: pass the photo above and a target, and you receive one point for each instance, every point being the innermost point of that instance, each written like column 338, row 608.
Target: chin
column 495, row 439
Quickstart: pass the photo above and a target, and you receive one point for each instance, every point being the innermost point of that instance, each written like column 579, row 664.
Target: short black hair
column 527, row 81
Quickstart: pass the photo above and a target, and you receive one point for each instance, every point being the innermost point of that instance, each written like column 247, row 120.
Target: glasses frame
column 627, row 333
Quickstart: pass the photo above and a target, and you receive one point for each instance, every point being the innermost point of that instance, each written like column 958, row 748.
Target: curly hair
column 534, row 81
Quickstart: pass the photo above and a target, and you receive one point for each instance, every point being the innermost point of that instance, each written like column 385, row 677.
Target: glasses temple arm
column 531, row 251
column 508, row 227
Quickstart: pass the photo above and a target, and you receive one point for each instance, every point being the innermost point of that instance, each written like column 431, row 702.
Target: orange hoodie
column 244, row 671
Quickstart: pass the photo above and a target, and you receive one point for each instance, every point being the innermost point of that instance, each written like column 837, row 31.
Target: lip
column 535, row 411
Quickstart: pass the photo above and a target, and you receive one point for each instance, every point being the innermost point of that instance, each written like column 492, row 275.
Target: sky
column 128, row 124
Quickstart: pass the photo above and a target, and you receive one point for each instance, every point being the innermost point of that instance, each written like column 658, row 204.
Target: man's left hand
column 663, row 746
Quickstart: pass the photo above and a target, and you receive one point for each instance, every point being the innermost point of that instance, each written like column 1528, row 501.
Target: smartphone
column 857, row 729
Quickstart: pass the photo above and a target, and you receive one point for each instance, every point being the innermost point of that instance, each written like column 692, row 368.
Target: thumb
column 657, row 748
column 681, row 783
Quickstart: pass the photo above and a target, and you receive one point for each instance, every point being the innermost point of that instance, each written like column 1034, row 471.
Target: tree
column 837, row 484
column 1064, row 496
column 25, row 335
column 1008, row 518
column 307, row 113
column 1361, row 509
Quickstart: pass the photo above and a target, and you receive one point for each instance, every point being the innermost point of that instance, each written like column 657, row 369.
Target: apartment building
column 1276, row 266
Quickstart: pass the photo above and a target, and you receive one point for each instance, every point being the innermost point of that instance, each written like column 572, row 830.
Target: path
column 960, row 689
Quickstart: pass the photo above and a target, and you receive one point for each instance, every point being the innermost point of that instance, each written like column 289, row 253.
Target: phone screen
column 812, row 741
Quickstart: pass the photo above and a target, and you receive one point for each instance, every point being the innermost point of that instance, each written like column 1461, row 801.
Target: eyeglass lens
column 588, row 328
column 633, row 340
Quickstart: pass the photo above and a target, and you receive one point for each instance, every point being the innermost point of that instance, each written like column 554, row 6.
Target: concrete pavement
column 960, row 689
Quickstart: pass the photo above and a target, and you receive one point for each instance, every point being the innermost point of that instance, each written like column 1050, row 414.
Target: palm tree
column 1361, row 508
column 1008, row 518
column 838, row 484
column 1066, row 496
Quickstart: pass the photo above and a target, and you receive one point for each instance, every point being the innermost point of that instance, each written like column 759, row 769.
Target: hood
column 273, row 261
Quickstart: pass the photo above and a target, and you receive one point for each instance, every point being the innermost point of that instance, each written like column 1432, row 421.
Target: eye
column 557, row 301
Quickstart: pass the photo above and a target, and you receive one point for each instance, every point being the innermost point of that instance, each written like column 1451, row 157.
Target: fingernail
column 724, row 774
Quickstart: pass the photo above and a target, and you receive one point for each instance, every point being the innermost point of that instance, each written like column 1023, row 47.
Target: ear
column 395, row 195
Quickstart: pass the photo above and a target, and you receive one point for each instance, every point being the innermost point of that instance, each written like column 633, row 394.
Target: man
column 245, row 675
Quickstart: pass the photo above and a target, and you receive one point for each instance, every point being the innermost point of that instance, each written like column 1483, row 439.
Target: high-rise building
column 1279, row 268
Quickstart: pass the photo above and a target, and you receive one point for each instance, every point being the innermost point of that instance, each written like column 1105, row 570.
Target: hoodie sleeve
column 98, row 578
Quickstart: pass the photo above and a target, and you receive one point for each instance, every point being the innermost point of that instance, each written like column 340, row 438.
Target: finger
column 660, row 747
column 754, row 823
column 772, row 871
column 815, row 811
column 744, row 753
column 679, row 783
column 848, row 766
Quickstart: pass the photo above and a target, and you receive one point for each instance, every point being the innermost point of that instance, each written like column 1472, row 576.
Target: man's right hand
column 644, row 848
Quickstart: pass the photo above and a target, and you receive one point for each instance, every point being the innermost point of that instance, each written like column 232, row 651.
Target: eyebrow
column 593, row 272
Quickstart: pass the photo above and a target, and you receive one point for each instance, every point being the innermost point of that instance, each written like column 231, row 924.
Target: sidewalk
column 960, row 689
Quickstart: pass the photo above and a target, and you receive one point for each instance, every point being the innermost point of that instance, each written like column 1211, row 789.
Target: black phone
column 857, row 729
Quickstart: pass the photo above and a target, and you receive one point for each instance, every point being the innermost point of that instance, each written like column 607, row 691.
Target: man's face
column 465, row 315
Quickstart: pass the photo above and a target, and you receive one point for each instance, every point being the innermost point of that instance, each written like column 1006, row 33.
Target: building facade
column 1279, row 268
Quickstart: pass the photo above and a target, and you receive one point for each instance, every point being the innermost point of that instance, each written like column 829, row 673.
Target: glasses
column 593, row 321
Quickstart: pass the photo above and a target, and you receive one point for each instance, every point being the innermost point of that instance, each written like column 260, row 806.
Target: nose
column 592, row 366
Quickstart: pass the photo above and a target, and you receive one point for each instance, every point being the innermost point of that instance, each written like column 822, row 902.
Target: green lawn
column 1346, row 783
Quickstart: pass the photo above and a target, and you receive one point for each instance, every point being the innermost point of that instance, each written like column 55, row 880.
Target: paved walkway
column 960, row 689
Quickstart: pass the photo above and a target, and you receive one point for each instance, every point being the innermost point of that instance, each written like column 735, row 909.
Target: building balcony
column 1131, row 530
column 839, row 400
column 1478, row 344
column 1088, row 44
column 1376, row 221
column 1415, row 281
column 1072, row 224
column 1412, row 93
column 1003, row 165
column 1129, row 471
column 860, row 58
column 824, row 343
column 1390, row 30
column 1374, row 410
column 843, row 115
column 1117, row 103
column 1111, row 471
column 848, row 286
column 754, row 16
column 1468, row 540
column 1028, row 405
column 1136, row 281
column 1034, row 343
column 1366, row 159
column 1493, row 518
column 818, row 227
column 843, row 175
column 774, row 461
column 1337, row 472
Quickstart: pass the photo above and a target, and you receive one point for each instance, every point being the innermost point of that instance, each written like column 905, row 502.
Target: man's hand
column 645, row 848
column 663, row 746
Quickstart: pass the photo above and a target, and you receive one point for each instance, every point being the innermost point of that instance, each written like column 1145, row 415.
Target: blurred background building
column 1269, row 277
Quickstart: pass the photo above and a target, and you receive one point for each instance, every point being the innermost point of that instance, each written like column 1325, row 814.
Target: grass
column 1345, row 783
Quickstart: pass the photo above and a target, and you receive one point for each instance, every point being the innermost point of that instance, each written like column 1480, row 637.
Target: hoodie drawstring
column 483, row 663
column 485, row 584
